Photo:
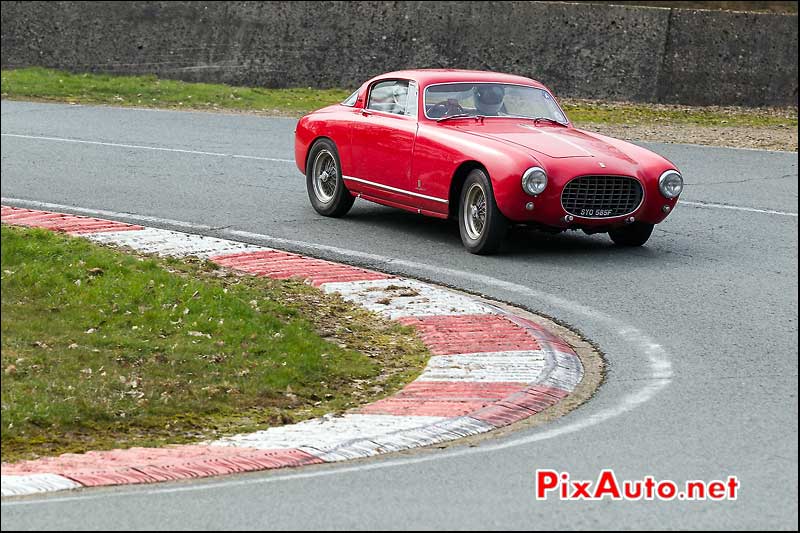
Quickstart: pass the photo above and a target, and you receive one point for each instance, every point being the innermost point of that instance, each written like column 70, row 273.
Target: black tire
column 329, row 198
column 635, row 234
column 485, row 238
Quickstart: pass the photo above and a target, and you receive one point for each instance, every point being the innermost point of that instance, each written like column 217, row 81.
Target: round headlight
column 670, row 184
column 534, row 181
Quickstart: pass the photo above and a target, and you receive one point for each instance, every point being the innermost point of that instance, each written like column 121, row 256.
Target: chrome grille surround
column 602, row 196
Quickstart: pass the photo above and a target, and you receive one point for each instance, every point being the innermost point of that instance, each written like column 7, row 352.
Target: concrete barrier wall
column 579, row 50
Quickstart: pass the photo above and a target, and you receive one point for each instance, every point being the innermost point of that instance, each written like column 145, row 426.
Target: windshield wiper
column 460, row 115
column 548, row 119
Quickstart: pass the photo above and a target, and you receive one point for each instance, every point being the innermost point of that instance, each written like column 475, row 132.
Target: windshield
column 490, row 100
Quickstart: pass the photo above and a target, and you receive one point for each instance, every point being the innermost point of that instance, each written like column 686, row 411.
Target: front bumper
column 546, row 209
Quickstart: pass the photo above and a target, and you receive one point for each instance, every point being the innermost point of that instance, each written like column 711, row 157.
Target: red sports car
column 490, row 149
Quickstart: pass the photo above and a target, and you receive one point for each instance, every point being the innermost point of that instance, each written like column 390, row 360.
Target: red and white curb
column 489, row 368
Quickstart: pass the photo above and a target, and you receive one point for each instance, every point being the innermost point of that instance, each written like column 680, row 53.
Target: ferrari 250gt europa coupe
column 488, row 149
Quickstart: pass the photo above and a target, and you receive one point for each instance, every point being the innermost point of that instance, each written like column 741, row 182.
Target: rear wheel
column 635, row 234
column 481, row 223
column 326, row 189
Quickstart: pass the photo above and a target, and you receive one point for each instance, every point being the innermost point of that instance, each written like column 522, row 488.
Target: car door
column 383, row 139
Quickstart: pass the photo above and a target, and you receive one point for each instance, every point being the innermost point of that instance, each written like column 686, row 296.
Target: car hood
column 549, row 140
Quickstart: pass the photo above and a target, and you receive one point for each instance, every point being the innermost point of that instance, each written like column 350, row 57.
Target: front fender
column 440, row 152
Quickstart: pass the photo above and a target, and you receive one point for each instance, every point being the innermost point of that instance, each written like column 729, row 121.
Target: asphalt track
column 699, row 328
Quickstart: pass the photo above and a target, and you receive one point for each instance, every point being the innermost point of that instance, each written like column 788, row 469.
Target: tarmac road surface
column 699, row 328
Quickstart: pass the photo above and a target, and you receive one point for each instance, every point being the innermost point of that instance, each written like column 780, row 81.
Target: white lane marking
column 657, row 356
column 140, row 147
column 737, row 208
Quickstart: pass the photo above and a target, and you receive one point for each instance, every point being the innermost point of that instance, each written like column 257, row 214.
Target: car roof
column 430, row 76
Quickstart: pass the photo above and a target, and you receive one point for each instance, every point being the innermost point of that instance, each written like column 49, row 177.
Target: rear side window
column 391, row 97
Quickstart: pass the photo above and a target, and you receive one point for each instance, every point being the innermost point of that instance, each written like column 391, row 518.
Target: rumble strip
column 490, row 368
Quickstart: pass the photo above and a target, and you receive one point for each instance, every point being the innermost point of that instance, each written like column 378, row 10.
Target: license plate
column 596, row 212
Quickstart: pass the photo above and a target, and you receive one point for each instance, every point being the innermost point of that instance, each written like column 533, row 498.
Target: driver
column 488, row 99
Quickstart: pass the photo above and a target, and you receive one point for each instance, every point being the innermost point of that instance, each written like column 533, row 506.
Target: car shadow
column 520, row 242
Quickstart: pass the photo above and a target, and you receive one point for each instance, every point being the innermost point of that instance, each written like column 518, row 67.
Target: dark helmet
column 489, row 98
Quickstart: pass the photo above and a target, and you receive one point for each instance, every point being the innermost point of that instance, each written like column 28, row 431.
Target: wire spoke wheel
column 480, row 222
column 326, row 189
column 475, row 211
column 325, row 176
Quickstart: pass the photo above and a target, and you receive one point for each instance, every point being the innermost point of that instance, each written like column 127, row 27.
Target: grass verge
column 150, row 91
column 765, row 128
column 104, row 349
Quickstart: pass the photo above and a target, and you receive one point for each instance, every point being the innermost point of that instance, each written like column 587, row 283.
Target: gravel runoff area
column 758, row 137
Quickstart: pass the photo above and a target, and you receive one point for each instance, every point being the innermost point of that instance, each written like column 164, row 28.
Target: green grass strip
column 150, row 91
column 104, row 349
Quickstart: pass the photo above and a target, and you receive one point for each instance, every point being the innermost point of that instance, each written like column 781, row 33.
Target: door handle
column 366, row 112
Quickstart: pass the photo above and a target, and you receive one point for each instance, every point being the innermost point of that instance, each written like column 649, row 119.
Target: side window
column 351, row 100
column 389, row 97
column 413, row 96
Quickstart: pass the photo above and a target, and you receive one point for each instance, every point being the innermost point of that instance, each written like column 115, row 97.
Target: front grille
column 601, row 196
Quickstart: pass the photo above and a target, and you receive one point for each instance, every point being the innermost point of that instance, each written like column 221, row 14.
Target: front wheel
column 326, row 189
column 635, row 234
column 481, row 223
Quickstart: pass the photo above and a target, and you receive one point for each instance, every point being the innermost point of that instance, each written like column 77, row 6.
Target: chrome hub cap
column 475, row 211
column 324, row 176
